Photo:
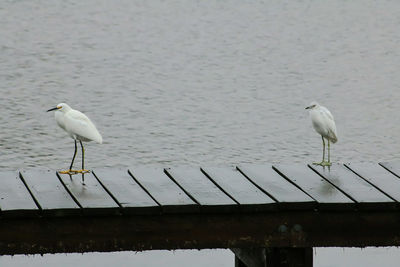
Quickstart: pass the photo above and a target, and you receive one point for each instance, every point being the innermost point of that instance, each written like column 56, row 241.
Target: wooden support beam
column 299, row 229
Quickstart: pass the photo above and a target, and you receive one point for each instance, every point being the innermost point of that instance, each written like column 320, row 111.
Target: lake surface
column 199, row 83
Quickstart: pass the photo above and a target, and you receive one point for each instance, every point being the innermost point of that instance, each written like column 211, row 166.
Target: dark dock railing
column 268, row 215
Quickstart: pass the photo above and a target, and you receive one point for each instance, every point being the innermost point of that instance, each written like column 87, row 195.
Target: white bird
column 324, row 124
column 79, row 127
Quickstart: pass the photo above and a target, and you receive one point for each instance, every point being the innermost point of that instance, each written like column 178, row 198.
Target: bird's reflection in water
column 78, row 187
column 327, row 188
column 83, row 177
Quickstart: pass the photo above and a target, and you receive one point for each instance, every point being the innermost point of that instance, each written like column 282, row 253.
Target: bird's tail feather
column 332, row 137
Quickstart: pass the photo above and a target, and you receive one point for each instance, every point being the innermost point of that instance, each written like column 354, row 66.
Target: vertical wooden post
column 273, row 257
column 249, row 257
column 289, row 257
column 239, row 263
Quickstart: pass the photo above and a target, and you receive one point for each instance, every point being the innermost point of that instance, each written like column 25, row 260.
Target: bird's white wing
column 330, row 122
column 327, row 113
column 79, row 125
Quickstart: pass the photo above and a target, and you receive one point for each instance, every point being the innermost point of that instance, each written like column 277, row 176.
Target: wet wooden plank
column 90, row 195
column 15, row 199
column 274, row 184
column 378, row 176
column 316, row 186
column 163, row 189
column 237, row 186
column 351, row 184
column 126, row 191
column 196, row 184
column 393, row 167
column 50, row 193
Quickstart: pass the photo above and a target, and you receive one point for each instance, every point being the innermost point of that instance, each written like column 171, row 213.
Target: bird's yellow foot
column 70, row 172
column 323, row 163
column 326, row 164
column 83, row 171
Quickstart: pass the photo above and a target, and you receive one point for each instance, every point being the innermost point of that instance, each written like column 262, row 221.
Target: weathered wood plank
column 379, row 177
column 163, row 189
column 126, row 191
column 15, row 199
column 275, row 185
column 50, row 193
column 196, row 184
column 352, row 185
column 317, row 187
column 237, row 186
column 90, row 195
column 393, row 167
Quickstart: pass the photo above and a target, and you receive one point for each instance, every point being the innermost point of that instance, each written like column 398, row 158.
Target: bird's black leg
column 322, row 163
column 83, row 155
column 70, row 171
column 323, row 149
column 73, row 158
column 329, row 152
column 83, row 161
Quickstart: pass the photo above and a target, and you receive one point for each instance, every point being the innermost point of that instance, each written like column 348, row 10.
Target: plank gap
column 338, row 188
column 389, row 170
column 290, row 181
column 259, row 187
column 181, row 187
column 30, row 192
column 137, row 181
column 106, row 189
column 69, row 192
column 383, row 192
column 217, row 185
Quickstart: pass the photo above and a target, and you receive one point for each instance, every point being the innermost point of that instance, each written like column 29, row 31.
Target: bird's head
column 312, row 105
column 61, row 107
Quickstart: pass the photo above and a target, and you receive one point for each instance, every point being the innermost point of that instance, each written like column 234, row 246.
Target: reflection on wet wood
column 51, row 195
column 90, row 195
column 15, row 199
column 351, row 184
column 276, row 186
column 197, row 185
column 162, row 189
column 124, row 190
column 237, row 186
column 379, row 177
column 313, row 184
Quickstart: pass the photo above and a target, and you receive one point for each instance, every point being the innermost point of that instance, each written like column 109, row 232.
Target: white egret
column 79, row 127
column 324, row 124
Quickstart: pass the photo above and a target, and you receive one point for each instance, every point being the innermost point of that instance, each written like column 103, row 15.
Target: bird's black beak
column 52, row 109
column 308, row 107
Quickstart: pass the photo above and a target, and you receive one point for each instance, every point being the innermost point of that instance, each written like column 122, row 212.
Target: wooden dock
column 268, row 215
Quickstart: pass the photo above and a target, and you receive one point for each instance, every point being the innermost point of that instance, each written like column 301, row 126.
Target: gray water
column 199, row 83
